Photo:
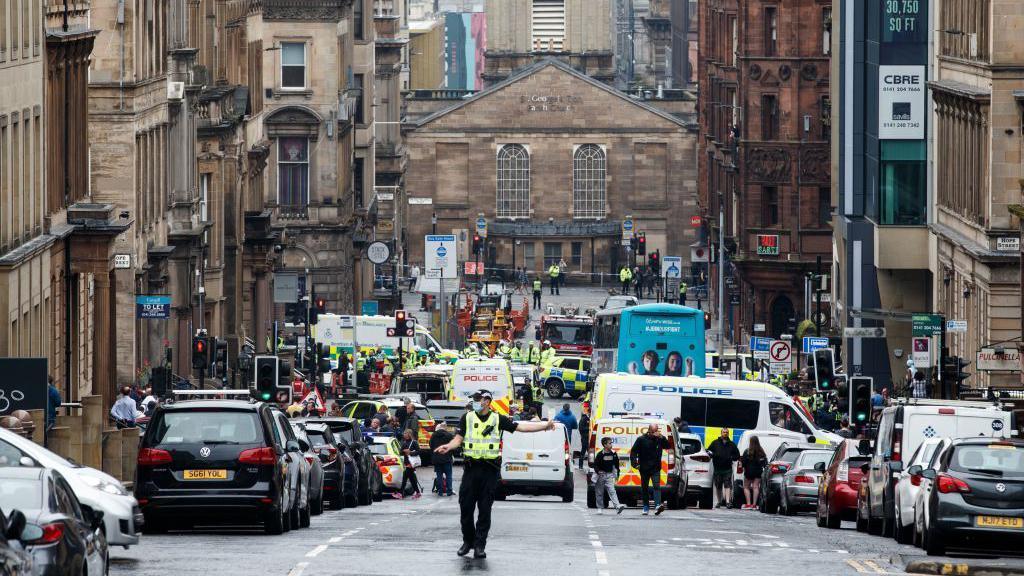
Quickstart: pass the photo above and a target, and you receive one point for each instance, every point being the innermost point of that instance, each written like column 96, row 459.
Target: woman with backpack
column 754, row 460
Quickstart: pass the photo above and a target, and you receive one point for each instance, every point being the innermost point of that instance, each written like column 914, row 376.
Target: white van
column 537, row 463
column 624, row 430
column 901, row 430
column 493, row 374
column 708, row 405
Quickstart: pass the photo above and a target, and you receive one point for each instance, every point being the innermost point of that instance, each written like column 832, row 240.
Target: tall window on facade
column 293, row 65
column 577, row 254
column 357, row 19
column 360, row 112
column 769, row 117
column 588, row 182
column 769, row 206
column 513, row 182
column 771, row 30
column 358, row 168
column 966, row 26
column 824, row 206
column 292, row 172
column 826, row 31
column 904, row 182
column 548, row 25
column 552, row 254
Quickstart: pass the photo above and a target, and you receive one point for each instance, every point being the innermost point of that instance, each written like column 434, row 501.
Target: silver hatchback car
column 799, row 489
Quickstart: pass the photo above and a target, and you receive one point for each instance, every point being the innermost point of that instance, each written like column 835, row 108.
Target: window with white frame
column 513, row 182
column 293, row 65
column 293, row 172
column 588, row 182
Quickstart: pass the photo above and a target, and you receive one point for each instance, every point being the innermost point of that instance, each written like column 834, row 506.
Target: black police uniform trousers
column 479, row 482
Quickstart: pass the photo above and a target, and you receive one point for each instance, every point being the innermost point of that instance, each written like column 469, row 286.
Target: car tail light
column 309, row 460
column 804, row 479
column 259, row 456
column 778, row 467
column 947, row 484
column 700, row 458
column 389, row 461
column 592, row 449
column 897, row 444
column 843, row 473
column 51, row 533
column 915, row 480
column 153, row 457
column 671, row 452
column 568, row 455
column 947, row 411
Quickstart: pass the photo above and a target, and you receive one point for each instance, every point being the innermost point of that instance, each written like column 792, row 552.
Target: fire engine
column 569, row 333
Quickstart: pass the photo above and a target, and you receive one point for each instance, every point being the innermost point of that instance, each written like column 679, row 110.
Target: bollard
column 112, row 452
column 93, row 417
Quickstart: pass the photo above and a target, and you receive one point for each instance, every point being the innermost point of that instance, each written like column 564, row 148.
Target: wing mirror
column 812, row 440
column 820, row 466
column 292, row 446
column 303, row 445
column 15, row 525
column 896, row 466
column 915, row 470
column 93, row 517
column 864, row 468
column 929, row 473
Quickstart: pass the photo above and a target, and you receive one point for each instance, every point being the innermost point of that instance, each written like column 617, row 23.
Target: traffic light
column 318, row 307
column 323, row 360
column 200, row 353
column 478, row 243
column 860, row 399
column 159, row 379
column 220, row 358
column 953, row 373
column 707, row 321
column 641, row 244
column 824, row 369
column 295, row 313
column 267, row 368
column 654, row 260
column 405, row 327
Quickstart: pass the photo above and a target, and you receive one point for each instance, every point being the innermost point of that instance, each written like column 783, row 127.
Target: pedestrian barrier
column 380, row 383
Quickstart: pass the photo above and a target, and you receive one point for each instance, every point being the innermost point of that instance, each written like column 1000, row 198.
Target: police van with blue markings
column 708, row 406
column 566, row 374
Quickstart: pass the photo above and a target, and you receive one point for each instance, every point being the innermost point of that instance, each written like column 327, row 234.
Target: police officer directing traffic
column 479, row 434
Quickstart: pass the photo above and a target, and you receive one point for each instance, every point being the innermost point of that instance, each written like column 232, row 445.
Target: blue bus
column 650, row 339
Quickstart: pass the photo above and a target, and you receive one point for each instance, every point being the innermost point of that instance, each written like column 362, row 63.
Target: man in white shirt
column 414, row 275
column 124, row 410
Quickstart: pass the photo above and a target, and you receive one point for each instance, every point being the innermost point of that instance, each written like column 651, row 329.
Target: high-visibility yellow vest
column 537, row 286
column 538, row 393
column 533, row 355
column 547, row 357
column 516, row 354
column 554, row 271
column 477, row 444
column 625, row 275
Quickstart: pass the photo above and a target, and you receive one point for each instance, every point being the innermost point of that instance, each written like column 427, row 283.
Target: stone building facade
column 539, row 157
column 978, row 95
column 764, row 153
column 521, row 32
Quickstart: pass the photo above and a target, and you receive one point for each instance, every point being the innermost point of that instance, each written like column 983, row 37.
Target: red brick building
column 763, row 71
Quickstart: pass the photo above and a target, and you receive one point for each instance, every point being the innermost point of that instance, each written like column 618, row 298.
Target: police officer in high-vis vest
column 479, row 434
column 537, row 289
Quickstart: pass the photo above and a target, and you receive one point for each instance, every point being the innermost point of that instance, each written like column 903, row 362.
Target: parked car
column 799, row 489
column 840, row 482
column 975, row 497
column 63, row 537
column 366, row 485
column 771, row 479
column 122, row 517
column 620, row 301
column 14, row 560
column 566, row 375
column 219, row 461
column 428, row 383
column 363, row 410
column 698, row 470
column 922, row 490
column 323, row 444
column 907, row 487
column 316, row 473
column 388, row 455
column 538, row 463
column 903, row 427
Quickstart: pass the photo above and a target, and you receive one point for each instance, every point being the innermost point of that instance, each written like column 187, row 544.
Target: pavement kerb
column 967, row 567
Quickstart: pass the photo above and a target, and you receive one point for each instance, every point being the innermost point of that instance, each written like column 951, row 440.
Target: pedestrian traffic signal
column 318, row 307
column 295, row 313
column 478, row 244
column 220, row 358
column 200, row 353
column 159, row 378
column 860, row 399
column 323, row 360
column 641, row 244
column 707, row 321
column 267, row 368
column 654, row 261
column 824, row 369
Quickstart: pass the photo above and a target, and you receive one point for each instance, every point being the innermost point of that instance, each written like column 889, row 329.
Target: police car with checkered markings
column 566, row 374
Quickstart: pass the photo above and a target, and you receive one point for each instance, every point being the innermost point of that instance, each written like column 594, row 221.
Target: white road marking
column 596, row 543
column 594, row 536
column 299, row 568
column 601, row 557
column 316, row 551
column 336, row 539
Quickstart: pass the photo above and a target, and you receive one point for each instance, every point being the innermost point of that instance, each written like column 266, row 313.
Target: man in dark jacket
column 723, row 453
column 411, row 421
column 584, row 437
column 645, row 456
column 442, row 462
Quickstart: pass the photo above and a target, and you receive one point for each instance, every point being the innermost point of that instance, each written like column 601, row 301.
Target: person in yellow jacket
column 516, row 355
column 547, row 354
column 625, row 277
column 504, row 350
column 533, row 354
column 538, row 288
column 555, row 272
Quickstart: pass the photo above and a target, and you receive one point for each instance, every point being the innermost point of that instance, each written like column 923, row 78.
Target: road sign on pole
column 627, row 228
column 812, row 343
column 780, row 357
column 759, row 347
column 440, row 255
column 672, row 266
column 481, row 226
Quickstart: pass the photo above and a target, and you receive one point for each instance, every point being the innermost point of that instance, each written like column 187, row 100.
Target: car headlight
column 108, row 487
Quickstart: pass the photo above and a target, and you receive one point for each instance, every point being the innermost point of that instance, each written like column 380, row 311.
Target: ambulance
column 624, row 430
column 707, row 406
column 472, row 374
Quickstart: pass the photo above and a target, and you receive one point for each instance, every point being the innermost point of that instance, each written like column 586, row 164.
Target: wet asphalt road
column 530, row 536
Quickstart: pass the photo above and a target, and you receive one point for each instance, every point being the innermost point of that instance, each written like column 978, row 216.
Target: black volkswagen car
column 218, row 461
column 366, row 484
column 323, row 444
column 975, row 496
